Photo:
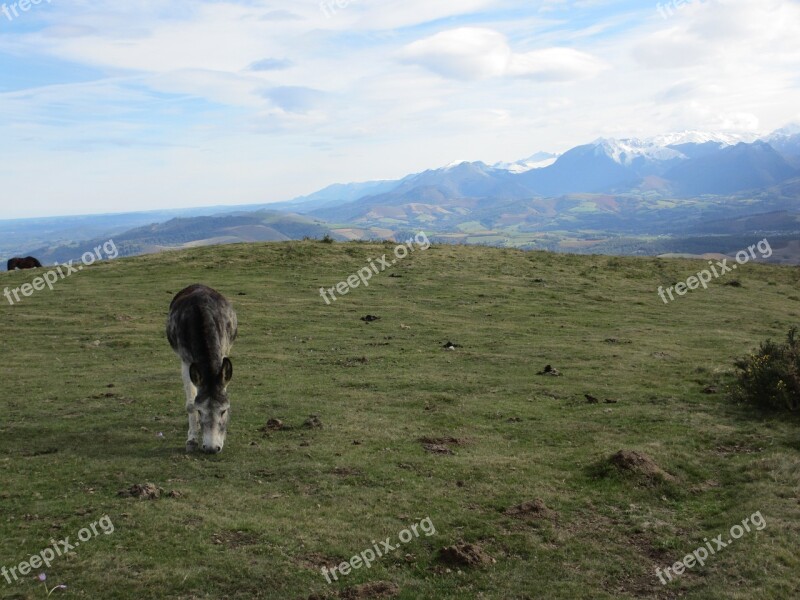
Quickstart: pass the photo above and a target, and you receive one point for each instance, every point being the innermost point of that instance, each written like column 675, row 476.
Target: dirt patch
column 374, row 589
column 274, row 425
column 465, row 555
column 148, row 491
column 442, row 441
column 313, row 422
column 638, row 463
column 533, row 510
column 234, row 539
column 356, row 361
column 315, row 561
column 437, row 449
column 705, row 486
column 143, row 491
column 440, row 445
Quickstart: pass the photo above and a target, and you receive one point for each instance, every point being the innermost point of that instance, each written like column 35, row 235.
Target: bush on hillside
column 770, row 377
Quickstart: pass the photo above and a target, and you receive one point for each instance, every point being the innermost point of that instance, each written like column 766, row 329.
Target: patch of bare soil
column 639, row 464
column 533, row 510
column 234, row 539
column 315, row 561
column 143, row 491
column 313, row 422
column 274, row 425
column 465, row 555
column 437, row 449
column 148, row 491
column 440, row 445
column 442, row 441
column 374, row 589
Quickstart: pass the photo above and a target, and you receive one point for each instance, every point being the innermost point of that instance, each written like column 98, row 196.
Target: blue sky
column 113, row 106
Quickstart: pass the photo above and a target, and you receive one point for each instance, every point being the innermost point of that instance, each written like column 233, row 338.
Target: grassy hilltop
column 89, row 383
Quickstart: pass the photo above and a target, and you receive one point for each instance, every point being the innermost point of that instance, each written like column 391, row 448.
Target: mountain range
column 679, row 166
column 688, row 192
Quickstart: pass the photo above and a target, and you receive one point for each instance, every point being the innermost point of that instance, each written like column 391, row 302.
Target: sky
column 126, row 105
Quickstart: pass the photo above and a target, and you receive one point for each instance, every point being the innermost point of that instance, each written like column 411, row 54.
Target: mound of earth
column 465, row 555
column 148, row 491
column 535, row 509
column 640, row 464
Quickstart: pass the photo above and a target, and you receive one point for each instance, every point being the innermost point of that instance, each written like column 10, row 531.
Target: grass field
column 90, row 382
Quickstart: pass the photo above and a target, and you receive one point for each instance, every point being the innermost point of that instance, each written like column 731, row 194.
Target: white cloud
column 474, row 53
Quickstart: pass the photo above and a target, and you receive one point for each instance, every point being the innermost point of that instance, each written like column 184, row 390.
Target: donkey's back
column 202, row 327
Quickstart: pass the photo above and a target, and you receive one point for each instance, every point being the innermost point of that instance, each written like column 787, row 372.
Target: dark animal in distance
column 201, row 329
column 24, row 263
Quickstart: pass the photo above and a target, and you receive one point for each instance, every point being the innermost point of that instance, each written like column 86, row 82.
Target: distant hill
column 261, row 226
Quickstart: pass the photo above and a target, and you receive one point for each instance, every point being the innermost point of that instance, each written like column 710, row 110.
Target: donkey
column 201, row 329
column 28, row 262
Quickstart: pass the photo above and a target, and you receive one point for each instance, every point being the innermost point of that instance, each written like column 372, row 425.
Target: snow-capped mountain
column 627, row 151
column 685, row 164
column 702, row 137
column 540, row 160
column 790, row 130
column 666, row 147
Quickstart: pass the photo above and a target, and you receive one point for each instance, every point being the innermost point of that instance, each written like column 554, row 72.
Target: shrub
column 770, row 378
column 327, row 239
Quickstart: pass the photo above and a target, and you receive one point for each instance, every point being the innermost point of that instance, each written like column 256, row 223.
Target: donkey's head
column 212, row 405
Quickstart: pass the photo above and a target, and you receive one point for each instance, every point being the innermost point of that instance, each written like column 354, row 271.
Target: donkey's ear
column 227, row 371
column 195, row 376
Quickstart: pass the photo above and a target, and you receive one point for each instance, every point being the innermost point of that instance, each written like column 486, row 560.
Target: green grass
column 259, row 520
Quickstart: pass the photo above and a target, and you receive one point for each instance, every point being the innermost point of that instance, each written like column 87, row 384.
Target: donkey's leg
column 193, row 437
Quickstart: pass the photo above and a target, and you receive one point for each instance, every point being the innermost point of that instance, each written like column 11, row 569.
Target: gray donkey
column 201, row 328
